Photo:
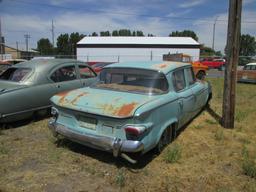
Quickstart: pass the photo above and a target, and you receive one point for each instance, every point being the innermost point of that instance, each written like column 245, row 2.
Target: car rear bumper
column 114, row 145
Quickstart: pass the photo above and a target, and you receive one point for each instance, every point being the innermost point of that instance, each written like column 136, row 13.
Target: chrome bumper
column 114, row 145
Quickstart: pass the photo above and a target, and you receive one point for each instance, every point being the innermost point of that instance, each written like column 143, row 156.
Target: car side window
column 178, row 80
column 190, row 76
column 66, row 73
column 85, row 72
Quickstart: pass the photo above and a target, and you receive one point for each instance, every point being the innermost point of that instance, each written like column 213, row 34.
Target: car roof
column 160, row 66
column 44, row 63
column 251, row 64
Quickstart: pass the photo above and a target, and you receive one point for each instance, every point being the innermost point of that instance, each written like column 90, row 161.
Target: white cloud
column 192, row 3
column 204, row 29
column 245, row 2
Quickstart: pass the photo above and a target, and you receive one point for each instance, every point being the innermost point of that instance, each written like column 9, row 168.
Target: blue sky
column 159, row 17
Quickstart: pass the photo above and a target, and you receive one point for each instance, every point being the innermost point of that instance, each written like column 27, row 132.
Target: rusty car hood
column 6, row 86
column 102, row 102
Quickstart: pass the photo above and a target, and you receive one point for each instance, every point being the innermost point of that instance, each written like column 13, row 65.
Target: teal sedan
column 133, row 108
column 26, row 88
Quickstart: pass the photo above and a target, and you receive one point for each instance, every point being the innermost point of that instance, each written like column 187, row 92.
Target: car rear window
column 133, row 80
column 15, row 74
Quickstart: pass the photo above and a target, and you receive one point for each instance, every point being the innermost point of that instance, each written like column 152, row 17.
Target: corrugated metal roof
column 163, row 66
column 139, row 40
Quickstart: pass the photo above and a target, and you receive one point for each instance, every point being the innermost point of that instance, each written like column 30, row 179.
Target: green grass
column 173, row 153
column 3, row 149
column 120, row 178
column 219, row 135
column 249, row 164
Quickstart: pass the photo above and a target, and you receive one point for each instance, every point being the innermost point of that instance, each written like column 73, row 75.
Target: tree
column 44, row 46
column 115, row 33
column 247, row 45
column 73, row 39
column 206, row 51
column 185, row 33
column 105, row 33
column 63, row 47
column 247, row 49
column 66, row 44
column 94, row 34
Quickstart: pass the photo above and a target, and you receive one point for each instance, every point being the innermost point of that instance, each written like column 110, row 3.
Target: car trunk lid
column 102, row 102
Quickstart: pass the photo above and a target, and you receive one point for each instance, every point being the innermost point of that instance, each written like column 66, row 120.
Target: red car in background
column 216, row 63
column 97, row 67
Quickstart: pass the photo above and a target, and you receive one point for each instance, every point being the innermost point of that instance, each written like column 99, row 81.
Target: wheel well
column 172, row 130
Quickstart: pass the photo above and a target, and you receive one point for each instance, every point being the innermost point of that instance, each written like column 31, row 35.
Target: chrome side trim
column 25, row 111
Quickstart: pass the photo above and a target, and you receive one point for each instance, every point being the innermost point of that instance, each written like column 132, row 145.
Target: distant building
column 19, row 54
column 117, row 49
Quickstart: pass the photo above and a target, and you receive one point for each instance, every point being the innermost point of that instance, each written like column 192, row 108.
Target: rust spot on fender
column 73, row 102
column 126, row 109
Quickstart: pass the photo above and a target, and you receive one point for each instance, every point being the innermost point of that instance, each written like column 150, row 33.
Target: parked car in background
column 98, row 66
column 198, row 68
column 248, row 74
column 133, row 108
column 14, row 61
column 216, row 63
column 26, row 88
column 3, row 66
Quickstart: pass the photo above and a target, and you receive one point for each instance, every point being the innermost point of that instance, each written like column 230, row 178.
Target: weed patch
column 120, row 178
column 249, row 165
column 219, row 135
column 173, row 153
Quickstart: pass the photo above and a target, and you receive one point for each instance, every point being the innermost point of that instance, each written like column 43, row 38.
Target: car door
column 65, row 78
column 86, row 74
column 198, row 89
column 186, row 98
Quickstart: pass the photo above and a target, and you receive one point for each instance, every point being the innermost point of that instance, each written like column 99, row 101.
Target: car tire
column 200, row 75
column 166, row 138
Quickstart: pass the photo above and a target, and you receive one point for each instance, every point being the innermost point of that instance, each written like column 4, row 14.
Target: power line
column 122, row 13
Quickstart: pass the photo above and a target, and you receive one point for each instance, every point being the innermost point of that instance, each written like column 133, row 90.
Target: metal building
column 117, row 49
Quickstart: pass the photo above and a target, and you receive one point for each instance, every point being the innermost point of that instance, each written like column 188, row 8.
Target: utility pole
column 233, row 37
column 213, row 32
column 52, row 30
column 1, row 41
column 27, row 36
column 17, row 49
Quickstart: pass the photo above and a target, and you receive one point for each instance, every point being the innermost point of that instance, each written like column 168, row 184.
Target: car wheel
column 165, row 139
column 200, row 75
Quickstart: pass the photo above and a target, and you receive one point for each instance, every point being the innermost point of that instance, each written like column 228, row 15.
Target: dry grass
column 211, row 159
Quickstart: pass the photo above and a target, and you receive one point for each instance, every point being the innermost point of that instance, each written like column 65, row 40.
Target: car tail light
column 134, row 130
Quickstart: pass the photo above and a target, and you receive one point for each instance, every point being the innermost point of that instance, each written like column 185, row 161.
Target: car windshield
column 132, row 80
column 15, row 74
